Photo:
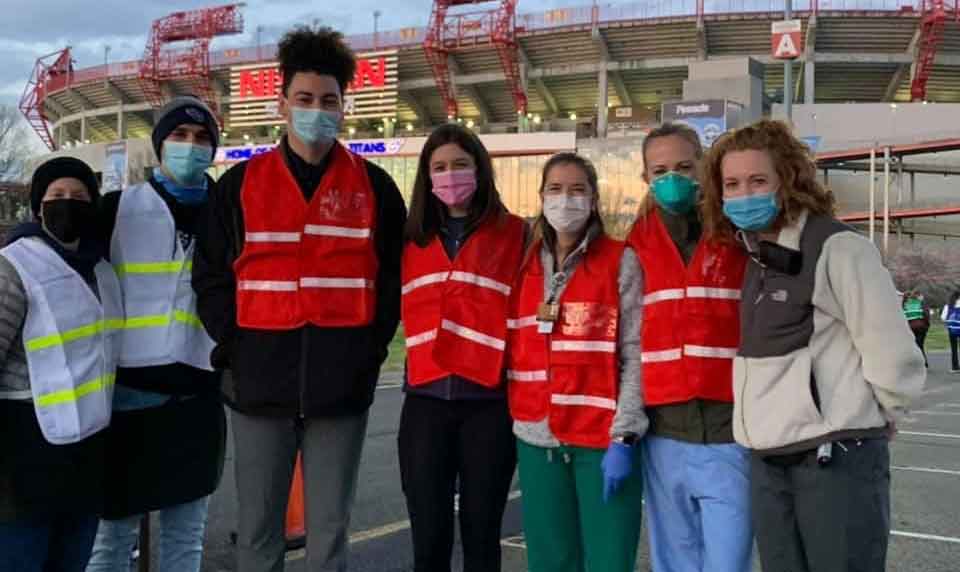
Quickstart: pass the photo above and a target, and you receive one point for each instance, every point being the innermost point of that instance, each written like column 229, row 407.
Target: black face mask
column 67, row 219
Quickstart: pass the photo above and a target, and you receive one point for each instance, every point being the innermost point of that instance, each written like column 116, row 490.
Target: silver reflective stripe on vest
column 162, row 325
column 70, row 338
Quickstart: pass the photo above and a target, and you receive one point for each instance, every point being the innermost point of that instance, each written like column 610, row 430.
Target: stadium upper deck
column 855, row 51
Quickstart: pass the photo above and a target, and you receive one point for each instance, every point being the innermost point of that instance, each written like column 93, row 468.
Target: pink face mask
column 454, row 188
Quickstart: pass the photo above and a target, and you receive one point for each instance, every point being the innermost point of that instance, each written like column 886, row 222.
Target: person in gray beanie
column 166, row 446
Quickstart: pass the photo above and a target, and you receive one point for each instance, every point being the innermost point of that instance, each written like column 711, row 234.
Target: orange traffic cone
column 296, row 525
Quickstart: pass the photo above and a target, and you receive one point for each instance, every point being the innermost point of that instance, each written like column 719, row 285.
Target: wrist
column 626, row 439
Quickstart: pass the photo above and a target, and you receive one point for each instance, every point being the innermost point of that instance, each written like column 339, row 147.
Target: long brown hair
column 427, row 213
column 541, row 228
column 799, row 188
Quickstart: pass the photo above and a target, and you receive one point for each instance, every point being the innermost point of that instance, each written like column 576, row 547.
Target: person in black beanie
column 168, row 439
column 60, row 309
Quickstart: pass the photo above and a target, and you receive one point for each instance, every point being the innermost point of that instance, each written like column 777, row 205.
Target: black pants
column 441, row 442
column 830, row 518
column 921, row 336
column 954, row 354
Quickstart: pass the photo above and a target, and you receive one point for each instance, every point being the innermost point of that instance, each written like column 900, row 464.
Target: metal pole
column 788, row 70
column 873, row 186
column 913, row 204
column 899, row 181
column 886, row 199
column 376, row 29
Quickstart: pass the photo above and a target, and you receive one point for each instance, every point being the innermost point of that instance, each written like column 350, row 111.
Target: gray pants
column 266, row 450
column 831, row 518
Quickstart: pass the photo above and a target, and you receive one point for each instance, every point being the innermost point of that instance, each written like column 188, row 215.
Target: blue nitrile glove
column 616, row 466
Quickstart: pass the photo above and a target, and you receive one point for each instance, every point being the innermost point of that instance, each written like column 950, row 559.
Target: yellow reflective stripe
column 187, row 318
column 44, row 342
column 162, row 320
column 70, row 395
column 153, row 267
column 138, row 322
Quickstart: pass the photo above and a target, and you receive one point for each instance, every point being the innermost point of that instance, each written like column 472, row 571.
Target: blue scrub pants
column 698, row 506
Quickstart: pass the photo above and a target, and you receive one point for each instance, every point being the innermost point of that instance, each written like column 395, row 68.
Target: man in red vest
column 298, row 282
column 695, row 476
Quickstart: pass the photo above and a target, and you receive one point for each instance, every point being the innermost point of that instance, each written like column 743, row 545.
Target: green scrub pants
column 568, row 527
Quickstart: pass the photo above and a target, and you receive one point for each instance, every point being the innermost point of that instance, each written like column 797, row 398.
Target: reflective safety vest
column 162, row 326
column 70, row 338
column 691, row 315
column 953, row 319
column 455, row 313
column 913, row 309
column 569, row 376
column 307, row 262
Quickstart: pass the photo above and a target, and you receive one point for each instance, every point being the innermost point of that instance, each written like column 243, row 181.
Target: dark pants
column 62, row 544
column 831, row 518
column 266, row 452
column 439, row 443
column 921, row 336
column 954, row 354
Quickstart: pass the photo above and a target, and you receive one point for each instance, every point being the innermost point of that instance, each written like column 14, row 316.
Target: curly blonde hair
column 799, row 188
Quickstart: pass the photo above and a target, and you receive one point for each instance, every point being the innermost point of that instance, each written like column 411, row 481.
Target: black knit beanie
column 59, row 168
column 178, row 111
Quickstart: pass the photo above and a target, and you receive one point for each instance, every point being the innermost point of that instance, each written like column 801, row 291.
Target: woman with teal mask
column 695, row 476
column 826, row 363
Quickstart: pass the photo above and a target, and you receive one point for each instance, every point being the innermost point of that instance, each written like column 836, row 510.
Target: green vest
column 913, row 309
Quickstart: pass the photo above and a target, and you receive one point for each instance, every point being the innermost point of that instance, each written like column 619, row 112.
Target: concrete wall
column 735, row 79
column 845, row 126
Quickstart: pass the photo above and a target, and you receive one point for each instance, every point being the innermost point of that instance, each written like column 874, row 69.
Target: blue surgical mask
column 752, row 212
column 314, row 126
column 675, row 193
column 186, row 162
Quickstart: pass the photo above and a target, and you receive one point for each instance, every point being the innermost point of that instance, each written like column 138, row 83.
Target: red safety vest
column 455, row 313
column 307, row 262
column 691, row 315
column 570, row 375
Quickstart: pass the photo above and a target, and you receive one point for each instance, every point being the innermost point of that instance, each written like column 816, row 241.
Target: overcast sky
column 29, row 29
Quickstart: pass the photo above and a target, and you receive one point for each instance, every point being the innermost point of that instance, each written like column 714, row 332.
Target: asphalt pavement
column 926, row 503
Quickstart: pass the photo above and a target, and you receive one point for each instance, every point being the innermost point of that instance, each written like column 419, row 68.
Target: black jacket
column 310, row 371
column 178, row 378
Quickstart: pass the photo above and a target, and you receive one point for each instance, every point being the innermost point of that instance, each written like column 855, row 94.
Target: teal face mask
column 315, row 126
column 186, row 162
column 675, row 193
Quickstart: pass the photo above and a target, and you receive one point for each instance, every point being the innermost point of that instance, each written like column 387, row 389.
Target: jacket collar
column 790, row 235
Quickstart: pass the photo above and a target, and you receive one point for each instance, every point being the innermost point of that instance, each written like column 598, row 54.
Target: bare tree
column 14, row 144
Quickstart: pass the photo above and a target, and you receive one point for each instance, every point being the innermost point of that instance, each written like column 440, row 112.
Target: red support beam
column 52, row 72
column 902, row 214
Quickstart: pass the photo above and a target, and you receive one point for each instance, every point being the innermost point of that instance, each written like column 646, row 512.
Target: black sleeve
column 391, row 218
column 107, row 218
column 218, row 242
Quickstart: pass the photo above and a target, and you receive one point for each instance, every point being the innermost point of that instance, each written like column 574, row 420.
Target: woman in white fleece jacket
column 826, row 362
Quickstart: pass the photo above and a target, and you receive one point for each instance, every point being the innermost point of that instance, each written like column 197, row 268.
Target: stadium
column 868, row 74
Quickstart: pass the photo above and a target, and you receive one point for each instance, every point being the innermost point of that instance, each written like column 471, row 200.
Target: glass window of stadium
column 618, row 161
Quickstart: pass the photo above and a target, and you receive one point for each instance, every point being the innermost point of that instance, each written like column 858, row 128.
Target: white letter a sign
column 786, row 48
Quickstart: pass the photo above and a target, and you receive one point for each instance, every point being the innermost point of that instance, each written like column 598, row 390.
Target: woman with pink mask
column 462, row 252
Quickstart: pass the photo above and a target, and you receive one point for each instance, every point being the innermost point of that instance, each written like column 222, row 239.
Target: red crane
column 933, row 17
column 52, row 72
column 448, row 33
column 191, row 64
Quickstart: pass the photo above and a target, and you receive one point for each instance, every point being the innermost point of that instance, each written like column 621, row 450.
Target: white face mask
column 567, row 213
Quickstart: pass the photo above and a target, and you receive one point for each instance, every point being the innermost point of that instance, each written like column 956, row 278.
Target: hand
column 892, row 430
column 617, row 465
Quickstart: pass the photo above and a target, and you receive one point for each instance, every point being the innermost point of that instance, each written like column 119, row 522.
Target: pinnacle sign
column 786, row 39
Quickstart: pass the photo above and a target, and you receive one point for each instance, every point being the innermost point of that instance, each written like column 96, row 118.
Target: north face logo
column 779, row 296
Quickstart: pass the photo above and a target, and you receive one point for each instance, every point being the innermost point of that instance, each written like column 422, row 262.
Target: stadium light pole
column 106, row 55
column 788, row 70
column 376, row 29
